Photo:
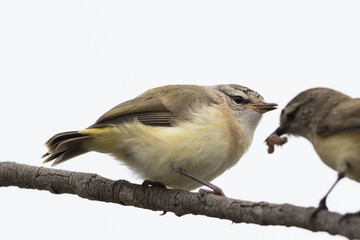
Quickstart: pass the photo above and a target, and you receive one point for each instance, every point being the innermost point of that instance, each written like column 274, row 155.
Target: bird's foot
column 216, row 191
column 322, row 206
column 149, row 183
column 202, row 192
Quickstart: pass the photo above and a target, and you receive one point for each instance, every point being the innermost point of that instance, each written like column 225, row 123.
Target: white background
column 64, row 63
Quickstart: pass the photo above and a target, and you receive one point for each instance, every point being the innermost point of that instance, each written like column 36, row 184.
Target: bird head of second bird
column 305, row 111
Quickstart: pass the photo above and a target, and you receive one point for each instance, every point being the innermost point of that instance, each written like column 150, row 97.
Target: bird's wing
column 156, row 107
column 345, row 117
column 148, row 110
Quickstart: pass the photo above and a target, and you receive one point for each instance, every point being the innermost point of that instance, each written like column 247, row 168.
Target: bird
column 330, row 120
column 180, row 136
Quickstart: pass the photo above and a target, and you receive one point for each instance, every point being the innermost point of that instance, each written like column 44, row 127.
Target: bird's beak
column 262, row 107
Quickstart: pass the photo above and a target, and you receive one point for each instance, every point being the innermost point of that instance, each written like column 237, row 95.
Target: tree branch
column 180, row 202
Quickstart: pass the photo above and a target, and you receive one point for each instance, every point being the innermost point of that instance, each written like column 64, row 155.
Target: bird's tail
column 64, row 146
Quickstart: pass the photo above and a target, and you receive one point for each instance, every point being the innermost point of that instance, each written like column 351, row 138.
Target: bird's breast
column 341, row 152
column 206, row 144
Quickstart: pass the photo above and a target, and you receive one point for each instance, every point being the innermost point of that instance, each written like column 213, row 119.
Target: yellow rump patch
column 93, row 131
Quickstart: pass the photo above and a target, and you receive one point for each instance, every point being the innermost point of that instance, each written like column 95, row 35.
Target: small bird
column 182, row 136
column 330, row 120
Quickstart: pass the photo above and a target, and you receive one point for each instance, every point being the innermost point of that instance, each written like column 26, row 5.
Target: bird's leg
column 215, row 189
column 322, row 203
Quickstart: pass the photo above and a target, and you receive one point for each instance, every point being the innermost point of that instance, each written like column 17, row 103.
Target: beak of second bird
column 262, row 107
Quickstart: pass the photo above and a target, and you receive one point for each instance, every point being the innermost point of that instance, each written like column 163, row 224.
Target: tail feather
column 64, row 146
column 71, row 143
column 66, row 155
column 53, row 142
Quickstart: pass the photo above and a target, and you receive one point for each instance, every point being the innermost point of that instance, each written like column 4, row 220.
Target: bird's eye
column 238, row 99
column 292, row 115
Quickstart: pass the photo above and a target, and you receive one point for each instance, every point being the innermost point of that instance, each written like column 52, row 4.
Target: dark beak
column 262, row 107
column 280, row 131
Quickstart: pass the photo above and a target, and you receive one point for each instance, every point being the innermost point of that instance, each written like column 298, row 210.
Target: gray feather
column 64, row 146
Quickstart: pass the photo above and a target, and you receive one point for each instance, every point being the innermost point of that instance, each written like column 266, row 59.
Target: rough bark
column 180, row 202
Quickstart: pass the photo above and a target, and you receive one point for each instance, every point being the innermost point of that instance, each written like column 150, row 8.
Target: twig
column 180, row 202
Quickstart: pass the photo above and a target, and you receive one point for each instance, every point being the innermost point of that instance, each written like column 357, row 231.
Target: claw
column 149, row 183
column 203, row 192
column 322, row 206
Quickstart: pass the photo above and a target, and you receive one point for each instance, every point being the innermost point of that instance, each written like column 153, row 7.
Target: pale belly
column 204, row 147
column 159, row 157
column 341, row 152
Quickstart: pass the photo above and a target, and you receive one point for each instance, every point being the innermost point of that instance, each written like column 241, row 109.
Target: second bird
column 182, row 136
column 330, row 120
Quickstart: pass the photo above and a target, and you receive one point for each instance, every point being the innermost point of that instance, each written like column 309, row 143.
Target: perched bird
column 330, row 120
column 182, row 136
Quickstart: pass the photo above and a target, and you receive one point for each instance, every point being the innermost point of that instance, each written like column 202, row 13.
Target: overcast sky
column 64, row 63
